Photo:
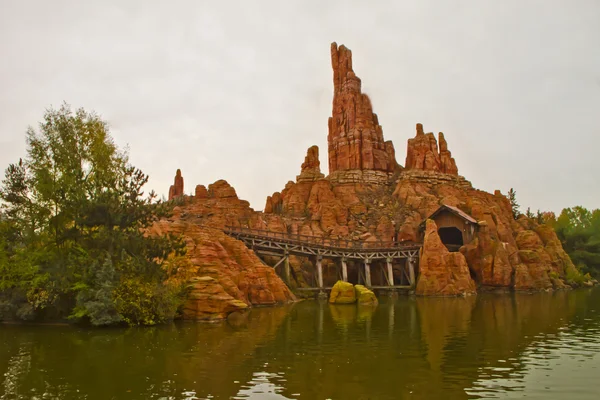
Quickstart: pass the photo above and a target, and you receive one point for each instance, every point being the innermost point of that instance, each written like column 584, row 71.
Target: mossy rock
column 365, row 296
column 342, row 293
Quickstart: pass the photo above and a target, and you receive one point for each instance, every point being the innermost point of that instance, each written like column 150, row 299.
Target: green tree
column 579, row 231
column 512, row 197
column 75, row 217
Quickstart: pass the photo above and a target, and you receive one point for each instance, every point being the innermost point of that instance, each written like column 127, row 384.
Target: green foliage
column 579, row 231
column 512, row 197
column 529, row 213
column 72, row 228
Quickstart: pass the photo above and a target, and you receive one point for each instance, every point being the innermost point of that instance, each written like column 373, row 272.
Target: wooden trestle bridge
column 286, row 244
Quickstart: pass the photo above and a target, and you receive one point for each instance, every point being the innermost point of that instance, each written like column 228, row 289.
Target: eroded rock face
column 355, row 137
column 342, row 293
column 176, row 190
column 201, row 192
column 442, row 273
column 365, row 296
column 207, row 300
column 422, row 153
column 311, row 167
column 223, row 273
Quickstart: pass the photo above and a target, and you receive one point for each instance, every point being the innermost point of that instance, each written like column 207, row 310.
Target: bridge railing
column 297, row 238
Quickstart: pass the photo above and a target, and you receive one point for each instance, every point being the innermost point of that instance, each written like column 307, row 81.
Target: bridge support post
column 344, row 270
column 390, row 272
column 411, row 270
column 286, row 269
column 319, row 272
column 368, row 273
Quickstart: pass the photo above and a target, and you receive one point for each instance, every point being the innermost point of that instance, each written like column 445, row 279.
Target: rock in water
column 207, row 300
column 342, row 293
column 442, row 273
column 365, row 296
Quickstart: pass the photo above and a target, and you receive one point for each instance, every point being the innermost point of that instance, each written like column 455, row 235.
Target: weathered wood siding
column 446, row 219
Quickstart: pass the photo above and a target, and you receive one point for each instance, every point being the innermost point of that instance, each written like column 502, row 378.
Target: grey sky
column 240, row 90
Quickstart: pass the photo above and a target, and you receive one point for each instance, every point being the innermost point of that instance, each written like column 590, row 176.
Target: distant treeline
column 72, row 223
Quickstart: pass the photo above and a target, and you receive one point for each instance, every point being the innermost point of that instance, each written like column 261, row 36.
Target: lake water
column 539, row 346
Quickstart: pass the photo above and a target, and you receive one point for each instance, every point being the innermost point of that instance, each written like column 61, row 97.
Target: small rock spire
column 176, row 189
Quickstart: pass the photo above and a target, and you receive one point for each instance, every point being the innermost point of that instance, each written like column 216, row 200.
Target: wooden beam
column 390, row 272
column 368, row 273
column 280, row 261
column 344, row 270
column 319, row 272
column 411, row 271
column 286, row 269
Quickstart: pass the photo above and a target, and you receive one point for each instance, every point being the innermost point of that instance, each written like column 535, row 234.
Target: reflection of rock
column 365, row 311
column 342, row 315
column 365, row 296
column 442, row 319
column 342, row 293
column 238, row 319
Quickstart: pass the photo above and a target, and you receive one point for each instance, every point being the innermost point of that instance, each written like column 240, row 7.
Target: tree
column 75, row 223
column 529, row 213
column 512, row 197
column 579, row 231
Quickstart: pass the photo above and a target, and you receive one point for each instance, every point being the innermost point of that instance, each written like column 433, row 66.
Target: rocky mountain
column 367, row 196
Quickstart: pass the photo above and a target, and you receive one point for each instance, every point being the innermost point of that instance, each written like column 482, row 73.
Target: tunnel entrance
column 452, row 237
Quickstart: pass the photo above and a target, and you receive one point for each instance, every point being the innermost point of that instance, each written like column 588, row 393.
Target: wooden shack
column 455, row 227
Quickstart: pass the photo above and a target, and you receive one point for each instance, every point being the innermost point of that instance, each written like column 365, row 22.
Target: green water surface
column 538, row 346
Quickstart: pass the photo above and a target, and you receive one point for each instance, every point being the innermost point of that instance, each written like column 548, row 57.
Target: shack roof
column 453, row 210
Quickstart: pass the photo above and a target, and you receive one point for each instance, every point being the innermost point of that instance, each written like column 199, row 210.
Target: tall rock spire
column 355, row 137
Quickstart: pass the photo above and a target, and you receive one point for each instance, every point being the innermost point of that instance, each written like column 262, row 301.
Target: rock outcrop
column 207, row 300
column 365, row 296
column 311, row 167
column 176, row 190
column 422, row 153
column 237, row 275
column 342, row 293
column 355, row 137
column 442, row 273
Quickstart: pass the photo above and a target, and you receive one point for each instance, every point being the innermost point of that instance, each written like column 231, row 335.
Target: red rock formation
column 201, row 192
column 176, row 189
column 422, row 153
column 355, row 137
column 442, row 273
column 311, row 167
column 230, row 275
column 352, row 203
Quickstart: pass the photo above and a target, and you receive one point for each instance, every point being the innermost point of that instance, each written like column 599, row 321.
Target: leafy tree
column 512, row 197
column 75, row 217
column 579, row 231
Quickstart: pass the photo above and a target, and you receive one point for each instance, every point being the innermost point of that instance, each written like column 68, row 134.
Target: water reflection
column 543, row 345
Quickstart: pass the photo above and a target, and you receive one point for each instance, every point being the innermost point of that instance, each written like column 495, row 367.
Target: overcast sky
column 239, row 90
